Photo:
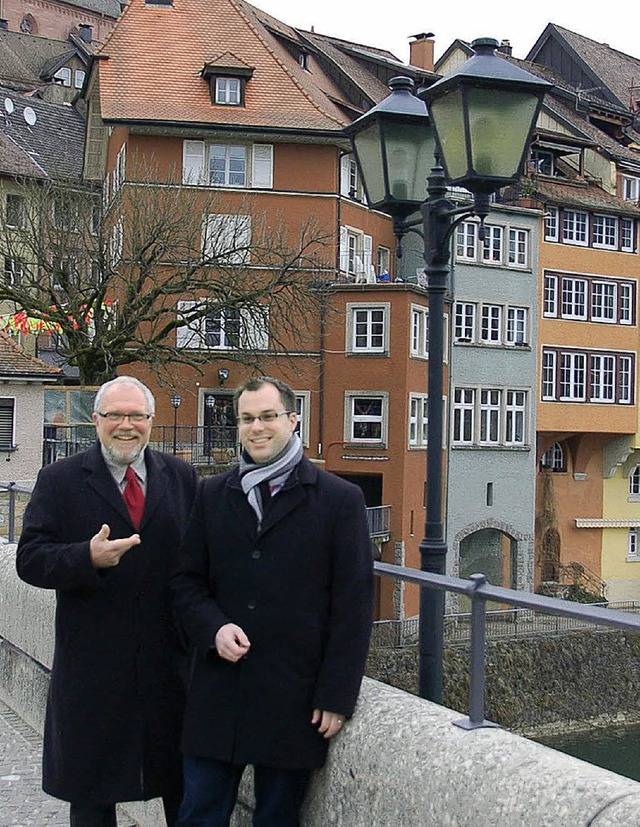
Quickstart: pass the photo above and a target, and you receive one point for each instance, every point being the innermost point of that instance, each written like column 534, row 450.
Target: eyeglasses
column 269, row 416
column 117, row 418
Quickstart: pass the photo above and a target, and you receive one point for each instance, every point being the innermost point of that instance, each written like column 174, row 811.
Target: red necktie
column 133, row 497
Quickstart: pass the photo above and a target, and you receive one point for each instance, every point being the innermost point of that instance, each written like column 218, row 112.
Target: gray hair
column 125, row 380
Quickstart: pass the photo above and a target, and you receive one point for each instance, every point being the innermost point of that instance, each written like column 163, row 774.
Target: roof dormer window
column 227, row 76
column 228, row 91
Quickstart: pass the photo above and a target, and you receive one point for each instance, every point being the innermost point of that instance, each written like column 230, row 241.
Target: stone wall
column 533, row 682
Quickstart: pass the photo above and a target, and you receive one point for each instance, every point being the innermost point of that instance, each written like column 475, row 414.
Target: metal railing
column 479, row 591
column 379, row 521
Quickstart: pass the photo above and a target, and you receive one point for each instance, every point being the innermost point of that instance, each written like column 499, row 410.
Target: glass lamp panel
column 410, row 156
column 368, row 150
column 499, row 124
column 447, row 115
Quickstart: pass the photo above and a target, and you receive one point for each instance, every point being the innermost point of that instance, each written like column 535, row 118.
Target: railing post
column 476, row 718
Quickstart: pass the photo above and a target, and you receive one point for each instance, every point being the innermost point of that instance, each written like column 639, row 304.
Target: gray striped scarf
column 276, row 471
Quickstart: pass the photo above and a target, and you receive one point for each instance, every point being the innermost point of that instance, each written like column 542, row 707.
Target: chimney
column 4, row 23
column 505, row 47
column 85, row 32
column 421, row 51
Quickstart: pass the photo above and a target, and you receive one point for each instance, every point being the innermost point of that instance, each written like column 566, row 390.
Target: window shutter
column 193, row 162
column 255, row 328
column 345, row 175
column 187, row 336
column 344, row 250
column 262, row 166
column 6, row 422
column 367, row 246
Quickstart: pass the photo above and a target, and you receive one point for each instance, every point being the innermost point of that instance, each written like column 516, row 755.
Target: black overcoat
column 117, row 684
column 301, row 589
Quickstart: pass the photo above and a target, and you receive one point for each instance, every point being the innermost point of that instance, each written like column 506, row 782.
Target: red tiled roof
column 15, row 362
column 151, row 62
column 585, row 195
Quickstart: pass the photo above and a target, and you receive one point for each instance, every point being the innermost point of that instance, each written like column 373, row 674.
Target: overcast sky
column 389, row 25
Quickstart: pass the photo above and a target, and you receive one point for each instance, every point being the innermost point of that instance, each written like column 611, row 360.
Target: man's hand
column 231, row 642
column 330, row 723
column 106, row 553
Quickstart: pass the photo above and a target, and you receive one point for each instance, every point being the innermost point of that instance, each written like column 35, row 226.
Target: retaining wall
column 399, row 762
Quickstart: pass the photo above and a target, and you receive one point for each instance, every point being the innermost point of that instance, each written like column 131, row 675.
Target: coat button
column 251, row 605
column 256, row 553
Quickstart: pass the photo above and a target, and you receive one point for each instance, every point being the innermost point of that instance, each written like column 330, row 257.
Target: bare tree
column 160, row 274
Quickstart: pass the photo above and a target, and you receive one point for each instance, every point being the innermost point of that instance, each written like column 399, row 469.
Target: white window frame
column 383, row 255
column 575, row 227
column 551, row 224
column 630, row 188
column 465, row 322
column 119, row 170
column 13, row 271
column 63, row 76
column 467, row 241
column 573, row 376
column 627, row 294
column 633, row 547
column 518, row 253
column 196, row 165
column 553, row 458
column 625, row 379
column 550, row 298
column 627, row 226
column 418, row 420
column 226, row 238
column 604, row 301
column 491, row 324
column 231, row 165
column 303, row 408
column 515, row 419
column 355, row 254
column 549, row 374
column 463, row 425
column 605, row 232
column 492, row 245
column 419, row 347
column 116, row 241
column 252, row 329
column 517, row 328
column 574, row 298
column 368, row 328
column 602, row 383
column 352, row 418
column 490, row 410
column 228, row 91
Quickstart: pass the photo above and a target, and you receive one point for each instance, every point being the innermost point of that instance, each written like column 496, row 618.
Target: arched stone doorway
column 493, row 553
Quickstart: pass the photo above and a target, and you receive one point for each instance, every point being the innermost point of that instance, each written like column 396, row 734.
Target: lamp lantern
column 484, row 113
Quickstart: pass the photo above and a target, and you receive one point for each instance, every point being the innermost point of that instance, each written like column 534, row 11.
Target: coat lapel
column 102, row 481
column 157, row 482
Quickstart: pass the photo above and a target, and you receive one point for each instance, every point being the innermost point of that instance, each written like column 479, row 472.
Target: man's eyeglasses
column 268, row 416
column 117, row 418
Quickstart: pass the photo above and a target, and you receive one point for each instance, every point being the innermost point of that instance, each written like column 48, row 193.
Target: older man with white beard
column 103, row 528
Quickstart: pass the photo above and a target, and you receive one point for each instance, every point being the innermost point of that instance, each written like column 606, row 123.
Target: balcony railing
column 379, row 520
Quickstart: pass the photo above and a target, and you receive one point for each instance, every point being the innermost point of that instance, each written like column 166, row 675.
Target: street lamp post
column 483, row 115
column 175, row 404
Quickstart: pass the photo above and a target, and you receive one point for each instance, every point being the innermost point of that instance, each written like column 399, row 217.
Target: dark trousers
column 104, row 815
column 211, row 790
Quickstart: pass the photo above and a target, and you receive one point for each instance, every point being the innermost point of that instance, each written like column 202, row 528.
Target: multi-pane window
column 579, row 376
column 491, row 326
column 518, row 248
column 366, row 419
column 466, row 241
column 418, row 420
column 63, row 76
column 633, row 548
column 634, row 482
column 16, row 214
column 420, row 332
column 626, row 235
column 228, row 91
column 590, row 299
column 464, row 415
column 492, row 244
column 574, row 226
column 553, row 458
column 517, row 325
column 223, row 327
column 489, row 417
column 368, row 326
column 551, row 224
column 574, row 298
column 355, row 254
column 605, row 231
column 228, row 165
column 465, row 322
column 550, row 299
column 13, row 271
column 384, row 261
column 630, row 188
column 604, row 301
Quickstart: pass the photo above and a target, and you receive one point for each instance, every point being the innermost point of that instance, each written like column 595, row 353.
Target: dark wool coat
column 301, row 589
column 117, row 685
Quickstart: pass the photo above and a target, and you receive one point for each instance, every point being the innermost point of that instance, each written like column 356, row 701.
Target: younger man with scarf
column 275, row 594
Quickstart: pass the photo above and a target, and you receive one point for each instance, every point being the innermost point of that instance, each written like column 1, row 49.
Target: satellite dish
column 29, row 115
column 8, row 106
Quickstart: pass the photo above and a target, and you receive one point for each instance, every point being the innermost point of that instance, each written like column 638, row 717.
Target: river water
column 614, row 749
